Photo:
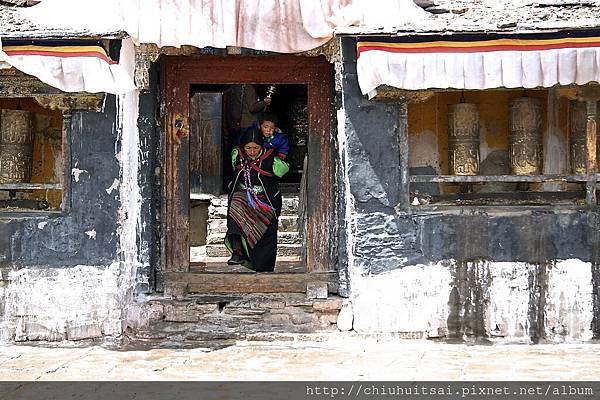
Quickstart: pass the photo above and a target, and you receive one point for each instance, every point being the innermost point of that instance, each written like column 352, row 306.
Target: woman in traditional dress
column 254, row 204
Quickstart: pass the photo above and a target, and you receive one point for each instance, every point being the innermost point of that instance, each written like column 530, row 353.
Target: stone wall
column 453, row 272
column 72, row 275
column 213, row 317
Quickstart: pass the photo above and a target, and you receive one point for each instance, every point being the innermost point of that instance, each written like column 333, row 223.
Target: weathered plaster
column 73, row 275
column 459, row 272
column 411, row 299
column 478, row 299
column 54, row 304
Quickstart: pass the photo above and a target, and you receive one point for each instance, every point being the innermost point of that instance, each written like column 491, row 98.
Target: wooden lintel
column 67, row 103
column 252, row 282
column 21, row 85
column 497, row 178
column 392, row 94
column 588, row 93
column 30, row 186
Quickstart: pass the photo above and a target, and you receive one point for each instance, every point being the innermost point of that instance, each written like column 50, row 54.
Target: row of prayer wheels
column 524, row 137
column 16, row 146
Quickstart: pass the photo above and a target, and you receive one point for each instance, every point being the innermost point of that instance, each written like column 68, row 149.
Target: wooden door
column 179, row 73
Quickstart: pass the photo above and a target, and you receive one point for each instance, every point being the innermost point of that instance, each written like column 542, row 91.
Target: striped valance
column 59, row 51
column 476, row 63
column 71, row 68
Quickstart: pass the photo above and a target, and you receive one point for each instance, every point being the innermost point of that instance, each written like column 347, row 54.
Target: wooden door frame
column 178, row 74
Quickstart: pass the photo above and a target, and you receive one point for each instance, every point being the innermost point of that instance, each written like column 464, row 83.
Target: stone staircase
column 288, row 243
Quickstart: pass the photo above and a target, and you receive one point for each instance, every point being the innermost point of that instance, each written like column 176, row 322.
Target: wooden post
column 65, row 178
column 404, row 200
column 591, row 167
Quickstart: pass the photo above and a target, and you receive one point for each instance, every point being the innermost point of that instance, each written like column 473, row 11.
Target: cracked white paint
column 416, row 298
column 131, row 247
column 410, row 299
column 61, row 303
column 76, row 172
column 114, row 186
column 508, row 304
column 42, row 225
column 91, row 234
column 570, row 303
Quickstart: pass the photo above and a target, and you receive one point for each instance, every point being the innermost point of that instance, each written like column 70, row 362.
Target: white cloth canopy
column 284, row 26
column 485, row 64
column 70, row 68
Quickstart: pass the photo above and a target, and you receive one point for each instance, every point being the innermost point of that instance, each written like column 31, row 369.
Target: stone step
column 282, row 238
column 287, row 223
column 218, row 207
column 283, row 250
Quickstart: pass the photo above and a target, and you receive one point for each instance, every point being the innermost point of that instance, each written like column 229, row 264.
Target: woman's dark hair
column 267, row 116
column 252, row 135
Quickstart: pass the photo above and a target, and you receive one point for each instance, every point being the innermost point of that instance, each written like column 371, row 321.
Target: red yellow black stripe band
column 478, row 46
column 59, row 51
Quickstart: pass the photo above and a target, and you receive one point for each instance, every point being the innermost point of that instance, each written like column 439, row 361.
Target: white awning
column 70, row 68
column 283, row 26
column 478, row 64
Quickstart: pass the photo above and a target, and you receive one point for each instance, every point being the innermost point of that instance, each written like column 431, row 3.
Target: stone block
column 328, row 305
column 278, row 319
column 316, row 290
column 176, row 290
column 154, row 311
column 299, row 317
column 36, row 331
column 283, row 250
column 216, row 250
column 220, row 201
column 288, row 238
column 215, row 238
column 271, row 304
column 7, row 332
column 289, row 250
column 187, row 311
column 112, row 327
column 244, row 311
column 82, row 331
column 297, row 299
column 328, row 319
column 345, row 318
column 217, row 212
column 289, row 205
column 288, row 223
column 217, row 226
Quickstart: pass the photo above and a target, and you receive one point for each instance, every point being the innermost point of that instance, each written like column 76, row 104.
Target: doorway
column 219, row 115
column 197, row 144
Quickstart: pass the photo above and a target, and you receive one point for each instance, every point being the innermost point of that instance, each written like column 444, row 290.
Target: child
column 274, row 138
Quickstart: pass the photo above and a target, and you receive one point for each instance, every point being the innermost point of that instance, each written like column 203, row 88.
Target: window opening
column 503, row 147
column 31, row 156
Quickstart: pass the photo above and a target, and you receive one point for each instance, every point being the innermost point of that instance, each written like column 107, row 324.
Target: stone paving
column 332, row 356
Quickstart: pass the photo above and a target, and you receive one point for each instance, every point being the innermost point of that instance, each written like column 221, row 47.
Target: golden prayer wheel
column 16, row 146
column 463, row 139
column 525, row 136
column 578, row 136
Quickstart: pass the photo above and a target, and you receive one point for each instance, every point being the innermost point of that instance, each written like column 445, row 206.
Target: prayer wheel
column 16, row 146
column 578, row 136
column 463, row 139
column 525, row 136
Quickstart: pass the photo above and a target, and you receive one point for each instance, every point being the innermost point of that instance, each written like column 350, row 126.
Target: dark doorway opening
column 215, row 129
column 299, row 80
